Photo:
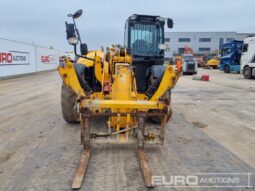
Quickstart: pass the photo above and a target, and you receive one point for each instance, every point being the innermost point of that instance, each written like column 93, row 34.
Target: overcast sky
column 102, row 23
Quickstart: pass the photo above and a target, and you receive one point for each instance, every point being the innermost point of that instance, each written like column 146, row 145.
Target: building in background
column 200, row 42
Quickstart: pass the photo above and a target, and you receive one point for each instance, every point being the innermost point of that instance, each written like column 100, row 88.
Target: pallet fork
column 141, row 154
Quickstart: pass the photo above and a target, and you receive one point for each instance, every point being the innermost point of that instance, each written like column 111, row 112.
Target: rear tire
column 154, row 77
column 226, row 69
column 68, row 99
column 247, row 72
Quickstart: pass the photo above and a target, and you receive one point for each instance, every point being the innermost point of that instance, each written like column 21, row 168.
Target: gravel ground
column 212, row 131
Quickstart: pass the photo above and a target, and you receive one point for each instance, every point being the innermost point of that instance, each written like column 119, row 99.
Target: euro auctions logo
column 206, row 180
column 48, row 59
column 14, row 58
column 5, row 57
column 175, row 181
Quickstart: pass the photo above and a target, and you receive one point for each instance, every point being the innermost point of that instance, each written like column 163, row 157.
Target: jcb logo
column 5, row 57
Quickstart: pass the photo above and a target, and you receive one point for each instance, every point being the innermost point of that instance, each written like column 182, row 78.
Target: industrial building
column 200, row 42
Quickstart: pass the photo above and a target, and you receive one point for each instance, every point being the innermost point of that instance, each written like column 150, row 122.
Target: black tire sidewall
column 247, row 72
column 226, row 69
column 68, row 100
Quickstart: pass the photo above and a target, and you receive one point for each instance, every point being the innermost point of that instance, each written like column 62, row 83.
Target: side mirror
column 84, row 49
column 70, row 34
column 170, row 23
column 76, row 15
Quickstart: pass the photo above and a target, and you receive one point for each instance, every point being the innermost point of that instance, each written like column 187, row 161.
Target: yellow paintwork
column 213, row 62
column 97, row 55
column 168, row 81
column 116, row 69
column 121, row 90
column 120, row 104
column 122, row 86
column 69, row 77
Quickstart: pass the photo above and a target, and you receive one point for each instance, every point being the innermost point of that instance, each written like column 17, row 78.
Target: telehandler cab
column 125, row 84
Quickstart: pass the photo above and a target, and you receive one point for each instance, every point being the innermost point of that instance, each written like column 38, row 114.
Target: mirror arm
column 79, row 39
column 85, row 57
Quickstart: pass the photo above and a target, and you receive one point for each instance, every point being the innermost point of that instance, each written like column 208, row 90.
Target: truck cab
column 230, row 56
column 248, row 58
column 189, row 65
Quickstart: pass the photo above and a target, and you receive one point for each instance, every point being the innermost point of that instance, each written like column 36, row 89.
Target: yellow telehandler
column 126, row 84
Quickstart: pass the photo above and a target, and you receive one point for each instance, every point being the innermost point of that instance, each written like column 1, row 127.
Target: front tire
column 68, row 100
column 226, row 69
column 247, row 72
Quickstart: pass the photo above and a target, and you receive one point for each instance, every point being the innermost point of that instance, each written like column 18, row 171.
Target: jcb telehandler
column 126, row 84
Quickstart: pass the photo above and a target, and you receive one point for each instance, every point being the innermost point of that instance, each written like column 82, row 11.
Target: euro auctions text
column 14, row 57
column 205, row 180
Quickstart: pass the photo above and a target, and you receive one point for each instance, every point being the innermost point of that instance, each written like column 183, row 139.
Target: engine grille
column 191, row 67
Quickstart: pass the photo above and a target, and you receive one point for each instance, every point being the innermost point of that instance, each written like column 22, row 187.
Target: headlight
column 162, row 19
column 133, row 17
column 73, row 41
column 163, row 46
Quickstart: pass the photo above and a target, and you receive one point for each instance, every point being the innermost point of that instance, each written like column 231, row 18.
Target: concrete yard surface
column 212, row 131
column 224, row 108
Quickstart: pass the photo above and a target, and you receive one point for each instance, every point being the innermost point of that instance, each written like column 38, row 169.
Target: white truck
column 189, row 65
column 248, row 58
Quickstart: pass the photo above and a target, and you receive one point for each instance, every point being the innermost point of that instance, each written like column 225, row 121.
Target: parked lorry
column 230, row 56
column 248, row 58
column 189, row 65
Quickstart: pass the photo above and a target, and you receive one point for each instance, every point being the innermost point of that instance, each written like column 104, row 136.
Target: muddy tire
column 226, row 69
column 68, row 99
column 247, row 72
